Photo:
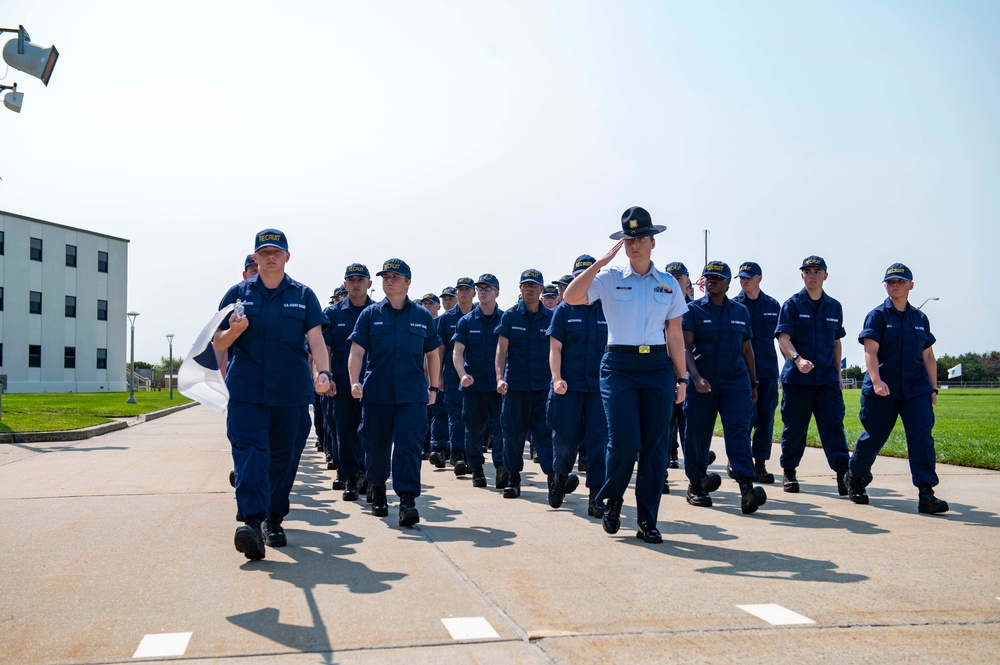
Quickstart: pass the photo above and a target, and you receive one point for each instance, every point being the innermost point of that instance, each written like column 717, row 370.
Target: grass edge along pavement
column 966, row 428
column 58, row 412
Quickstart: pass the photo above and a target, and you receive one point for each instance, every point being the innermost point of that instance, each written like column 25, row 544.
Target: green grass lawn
column 966, row 428
column 52, row 412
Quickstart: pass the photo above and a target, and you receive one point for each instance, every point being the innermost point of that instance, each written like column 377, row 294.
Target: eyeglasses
column 484, row 288
column 268, row 252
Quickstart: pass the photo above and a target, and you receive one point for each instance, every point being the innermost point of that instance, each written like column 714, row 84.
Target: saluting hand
column 606, row 259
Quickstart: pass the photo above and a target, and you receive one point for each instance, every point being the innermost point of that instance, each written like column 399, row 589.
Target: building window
column 34, row 355
column 102, row 310
column 35, row 302
column 102, row 262
column 70, row 307
column 102, row 358
column 1, row 243
column 70, row 256
column 36, row 249
column 69, row 357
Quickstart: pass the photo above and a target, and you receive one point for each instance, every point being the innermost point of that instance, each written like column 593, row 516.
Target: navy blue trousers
column 318, row 420
column 677, row 429
column 347, row 416
column 638, row 391
column 524, row 411
column 439, row 425
column 578, row 419
column 331, row 443
column 479, row 411
column 394, row 434
column 454, row 404
column 700, row 411
column 762, row 427
column 798, row 404
column 878, row 416
column 267, row 443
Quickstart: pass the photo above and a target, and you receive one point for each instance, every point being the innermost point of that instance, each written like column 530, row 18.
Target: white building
column 62, row 307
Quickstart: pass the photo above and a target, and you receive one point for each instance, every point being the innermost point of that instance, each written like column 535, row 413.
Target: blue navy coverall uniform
column 637, row 389
column 578, row 415
column 528, row 377
column 902, row 338
column 719, row 334
column 347, row 410
column 481, row 403
column 814, row 327
column 394, row 391
column 270, row 389
column 446, row 324
column 763, row 321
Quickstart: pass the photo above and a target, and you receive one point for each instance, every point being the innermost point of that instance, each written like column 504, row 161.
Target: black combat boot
column 929, row 503
column 478, row 477
column 249, row 540
column 751, row 498
column 557, row 490
column 513, row 488
column 856, row 488
column 595, row 508
column 380, row 506
column 697, row 496
column 612, row 519
column 408, row 514
column 761, row 474
column 842, row 480
column 274, row 535
column 789, row 482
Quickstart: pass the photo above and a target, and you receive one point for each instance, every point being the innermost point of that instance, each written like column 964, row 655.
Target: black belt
column 621, row 348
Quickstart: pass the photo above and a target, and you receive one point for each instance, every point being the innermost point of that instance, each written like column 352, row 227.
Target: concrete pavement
column 121, row 546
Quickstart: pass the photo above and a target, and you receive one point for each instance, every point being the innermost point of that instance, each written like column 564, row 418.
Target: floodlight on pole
column 12, row 99
column 927, row 301
column 170, row 367
column 131, row 384
column 21, row 54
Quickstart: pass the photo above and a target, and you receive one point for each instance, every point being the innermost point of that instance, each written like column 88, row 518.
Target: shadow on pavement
column 764, row 565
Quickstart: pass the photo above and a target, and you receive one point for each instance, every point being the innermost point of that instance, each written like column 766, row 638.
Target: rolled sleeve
column 360, row 334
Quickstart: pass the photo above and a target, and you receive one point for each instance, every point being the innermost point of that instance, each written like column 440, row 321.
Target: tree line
column 976, row 368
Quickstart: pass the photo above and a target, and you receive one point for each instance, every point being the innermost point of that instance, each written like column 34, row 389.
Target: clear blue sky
column 470, row 137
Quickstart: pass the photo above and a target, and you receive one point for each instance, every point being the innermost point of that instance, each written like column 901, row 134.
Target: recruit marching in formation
column 619, row 367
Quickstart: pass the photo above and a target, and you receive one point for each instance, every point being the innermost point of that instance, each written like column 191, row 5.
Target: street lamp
column 927, row 301
column 131, row 384
column 170, row 367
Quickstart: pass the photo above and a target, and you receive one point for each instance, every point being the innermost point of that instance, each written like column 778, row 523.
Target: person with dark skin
column 723, row 379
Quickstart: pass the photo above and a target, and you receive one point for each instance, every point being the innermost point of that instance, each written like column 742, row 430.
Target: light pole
column 131, row 384
column 927, row 301
column 170, row 367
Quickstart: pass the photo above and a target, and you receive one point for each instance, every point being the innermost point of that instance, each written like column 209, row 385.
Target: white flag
column 199, row 377
column 955, row 371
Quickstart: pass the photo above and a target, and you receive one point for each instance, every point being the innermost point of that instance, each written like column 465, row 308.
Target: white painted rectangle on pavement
column 163, row 644
column 470, row 628
column 776, row 615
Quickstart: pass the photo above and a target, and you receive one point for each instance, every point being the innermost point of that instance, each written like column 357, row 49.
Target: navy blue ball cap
column 249, row 261
column 465, row 281
column 676, row 268
column 357, row 269
column 397, row 266
column 749, row 269
column 550, row 290
column 564, row 280
column 271, row 238
column 719, row 268
column 637, row 223
column 486, row 279
column 430, row 297
column 583, row 262
column 448, row 291
column 898, row 271
column 813, row 262
column 339, row 291
column 532, row 276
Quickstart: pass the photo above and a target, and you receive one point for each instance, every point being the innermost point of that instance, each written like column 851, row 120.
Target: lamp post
column 170, row 367
column 927, row 301
column 131, row 384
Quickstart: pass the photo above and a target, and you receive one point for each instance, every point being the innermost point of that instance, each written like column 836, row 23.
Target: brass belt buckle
column 644, row 348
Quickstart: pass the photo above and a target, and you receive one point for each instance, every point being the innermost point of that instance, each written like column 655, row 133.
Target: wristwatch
column 795, row 357
column 434, row 389
column 756, row 384
column 328, row 374
column 682, row 381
